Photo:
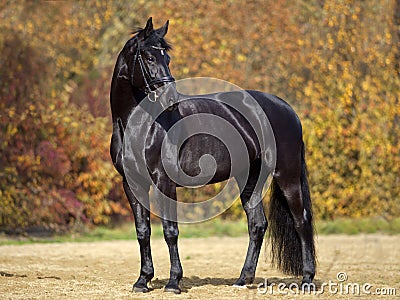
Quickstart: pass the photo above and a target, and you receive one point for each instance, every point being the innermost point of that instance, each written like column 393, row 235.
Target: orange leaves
column 335, row 63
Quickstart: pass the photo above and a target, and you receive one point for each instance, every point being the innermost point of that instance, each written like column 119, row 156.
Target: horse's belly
column 205, row 159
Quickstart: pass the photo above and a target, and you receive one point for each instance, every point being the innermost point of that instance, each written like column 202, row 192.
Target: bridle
column 149, row 82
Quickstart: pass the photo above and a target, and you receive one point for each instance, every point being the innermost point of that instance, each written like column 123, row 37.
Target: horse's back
column 242, row 111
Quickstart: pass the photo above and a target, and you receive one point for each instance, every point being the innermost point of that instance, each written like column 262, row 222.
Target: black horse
column 142, row 68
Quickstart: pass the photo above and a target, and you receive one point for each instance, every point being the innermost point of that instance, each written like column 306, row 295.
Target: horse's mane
column 137, row 30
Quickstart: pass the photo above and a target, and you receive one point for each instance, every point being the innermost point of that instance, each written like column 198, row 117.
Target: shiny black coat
column 290, row 213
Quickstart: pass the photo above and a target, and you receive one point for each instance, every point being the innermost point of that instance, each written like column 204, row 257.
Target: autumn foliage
column 336, row 62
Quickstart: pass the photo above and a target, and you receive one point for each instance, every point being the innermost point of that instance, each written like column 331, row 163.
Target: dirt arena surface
column 107, row 270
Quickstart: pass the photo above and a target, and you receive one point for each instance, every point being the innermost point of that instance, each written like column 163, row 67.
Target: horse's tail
column 285, row 242
column 116, row 146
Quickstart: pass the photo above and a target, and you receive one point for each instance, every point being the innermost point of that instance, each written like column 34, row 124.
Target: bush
column 335, row 61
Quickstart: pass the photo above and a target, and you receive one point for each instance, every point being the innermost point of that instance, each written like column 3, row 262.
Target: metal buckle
column 154, row 96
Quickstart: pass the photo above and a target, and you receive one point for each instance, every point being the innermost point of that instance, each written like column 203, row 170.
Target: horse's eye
column 150, row 59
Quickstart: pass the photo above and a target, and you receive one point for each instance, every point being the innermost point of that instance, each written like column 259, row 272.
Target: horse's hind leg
column 257, row 223
column 142, row 223
column 299, row 205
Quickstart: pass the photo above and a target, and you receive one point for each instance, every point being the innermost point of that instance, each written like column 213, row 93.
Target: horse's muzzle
column 169, row 95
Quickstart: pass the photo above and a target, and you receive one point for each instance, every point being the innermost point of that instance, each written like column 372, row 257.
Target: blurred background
column 336, row 62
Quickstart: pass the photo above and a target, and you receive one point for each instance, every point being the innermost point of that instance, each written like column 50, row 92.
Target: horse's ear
column 162, row 31
column 149, row 28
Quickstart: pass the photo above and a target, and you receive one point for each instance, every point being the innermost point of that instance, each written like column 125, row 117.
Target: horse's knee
column 171, row 233
column 143, row 234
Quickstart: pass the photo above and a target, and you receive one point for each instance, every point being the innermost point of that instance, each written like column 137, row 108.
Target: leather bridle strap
column 145, row 73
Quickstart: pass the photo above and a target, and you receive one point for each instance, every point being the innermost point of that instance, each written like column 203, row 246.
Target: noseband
column 149, row 82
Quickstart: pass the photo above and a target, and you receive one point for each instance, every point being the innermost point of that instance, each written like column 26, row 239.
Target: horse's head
column 149, row 64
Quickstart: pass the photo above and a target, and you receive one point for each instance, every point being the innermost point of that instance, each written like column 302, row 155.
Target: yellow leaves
column 332, row 21
column 335, row 64
column 349, row 90
column 365, row 85
column 308, row 90
column 388, row 37
column 31, row 108
column 11, row 112
column 11, row 130
column 66, row 120
column 63, row 61
column 240, row 57
column 29, row 27
column 108, row 14
column 185, row 70
column 331, row 42
column 97, row 22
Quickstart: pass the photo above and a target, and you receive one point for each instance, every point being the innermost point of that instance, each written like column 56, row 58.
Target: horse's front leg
column 143, row 231
column 171, row 237
column 170, row 226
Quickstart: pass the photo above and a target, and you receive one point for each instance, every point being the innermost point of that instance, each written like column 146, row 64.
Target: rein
column 148, row 81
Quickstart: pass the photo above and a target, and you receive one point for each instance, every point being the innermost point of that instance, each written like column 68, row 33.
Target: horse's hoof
column 170, row 289
column 242, row 283
column 239, row 286
column 140, row 289
column 307, row 286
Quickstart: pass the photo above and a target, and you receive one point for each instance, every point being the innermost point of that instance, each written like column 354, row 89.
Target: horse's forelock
column 153, row 40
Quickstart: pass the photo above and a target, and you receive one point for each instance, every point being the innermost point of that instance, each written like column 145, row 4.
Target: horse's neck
column 123, row 99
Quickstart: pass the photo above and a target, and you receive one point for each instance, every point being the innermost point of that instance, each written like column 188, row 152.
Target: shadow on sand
column 189, row 282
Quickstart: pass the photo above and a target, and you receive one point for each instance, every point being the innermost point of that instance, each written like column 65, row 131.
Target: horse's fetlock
column 258, row 230
column 176, row 272
column 147, row 272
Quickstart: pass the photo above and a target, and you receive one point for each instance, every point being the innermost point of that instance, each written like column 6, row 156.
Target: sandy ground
column 106, row 270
